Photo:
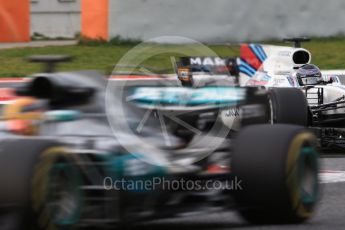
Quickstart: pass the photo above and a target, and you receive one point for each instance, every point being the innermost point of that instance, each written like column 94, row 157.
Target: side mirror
column 329, row 79
column 61, row 115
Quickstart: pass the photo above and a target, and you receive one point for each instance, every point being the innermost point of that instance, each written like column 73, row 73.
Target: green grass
column 327, row 53
column 93, row 57
column 12, row 63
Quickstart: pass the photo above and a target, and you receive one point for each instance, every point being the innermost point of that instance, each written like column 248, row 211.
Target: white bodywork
column 331, row 93
column 278, row 70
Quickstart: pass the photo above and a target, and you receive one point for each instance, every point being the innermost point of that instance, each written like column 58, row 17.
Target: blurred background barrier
column 215, row 21
column 55, row 18
column 95, row 19
column 14, row 21
column 227, row 20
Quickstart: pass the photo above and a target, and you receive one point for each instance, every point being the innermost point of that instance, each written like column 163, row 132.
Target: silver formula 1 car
column 141, row 149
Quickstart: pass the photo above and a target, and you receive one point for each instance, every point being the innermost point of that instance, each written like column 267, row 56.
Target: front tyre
column 57, row 197
column 287, row 106
column 278, row 166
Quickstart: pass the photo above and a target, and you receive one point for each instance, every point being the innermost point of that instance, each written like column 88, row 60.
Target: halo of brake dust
column 146, row 133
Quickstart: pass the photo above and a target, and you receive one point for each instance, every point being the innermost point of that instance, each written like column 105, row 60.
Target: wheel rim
column 308, row 170
column 63, row 201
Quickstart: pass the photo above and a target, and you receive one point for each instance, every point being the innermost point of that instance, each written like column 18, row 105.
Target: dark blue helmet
column 309, row 74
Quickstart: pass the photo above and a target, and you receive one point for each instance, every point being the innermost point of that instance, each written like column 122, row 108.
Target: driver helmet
column 23, row 115
column 309, row 74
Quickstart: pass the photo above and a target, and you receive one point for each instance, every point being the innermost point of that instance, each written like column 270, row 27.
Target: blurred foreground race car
column 274, row 68
column 74, row 173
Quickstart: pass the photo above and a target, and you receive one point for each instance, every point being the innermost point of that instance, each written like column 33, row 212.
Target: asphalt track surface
column 330, row 214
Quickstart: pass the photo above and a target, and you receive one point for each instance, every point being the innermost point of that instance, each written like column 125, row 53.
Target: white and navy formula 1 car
column 273, row 67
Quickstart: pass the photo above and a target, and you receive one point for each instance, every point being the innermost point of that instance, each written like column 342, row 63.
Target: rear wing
column 190, row 67
column 213, row 65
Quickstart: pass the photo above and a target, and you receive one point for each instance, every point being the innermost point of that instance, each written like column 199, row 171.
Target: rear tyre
column 278, row 166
